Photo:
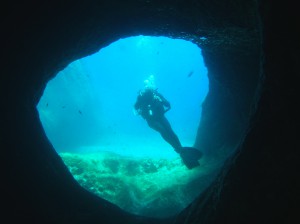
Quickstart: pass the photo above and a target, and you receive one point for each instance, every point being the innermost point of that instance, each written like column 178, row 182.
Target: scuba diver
column 152, row 106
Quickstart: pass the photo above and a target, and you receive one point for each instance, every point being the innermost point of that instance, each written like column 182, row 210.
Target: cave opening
column 87, row 114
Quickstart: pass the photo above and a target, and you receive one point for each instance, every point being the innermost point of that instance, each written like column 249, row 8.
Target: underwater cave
column 87, row 114
column 247, row 119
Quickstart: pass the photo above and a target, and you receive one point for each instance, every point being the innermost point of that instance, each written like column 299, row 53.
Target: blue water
column 88, row 106
column 87, row 114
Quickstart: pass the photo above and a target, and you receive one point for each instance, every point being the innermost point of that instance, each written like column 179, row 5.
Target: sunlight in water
column 87, row 113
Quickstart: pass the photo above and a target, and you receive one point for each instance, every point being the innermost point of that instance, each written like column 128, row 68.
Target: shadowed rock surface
column 251, row 51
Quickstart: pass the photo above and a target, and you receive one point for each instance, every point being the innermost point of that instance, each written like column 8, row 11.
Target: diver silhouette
column 152, row 106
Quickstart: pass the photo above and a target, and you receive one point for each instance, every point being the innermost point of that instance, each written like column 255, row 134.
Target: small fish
column 190, row 74
column 47, row 105
column 79, row 112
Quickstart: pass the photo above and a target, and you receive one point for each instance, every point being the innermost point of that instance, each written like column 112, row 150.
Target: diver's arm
column 167, row 105
column 165, row 102
column 168, row 108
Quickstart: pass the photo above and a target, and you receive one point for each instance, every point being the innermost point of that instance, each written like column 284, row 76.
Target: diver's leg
column 154, row 124
column 169, row 135
column 163, row 126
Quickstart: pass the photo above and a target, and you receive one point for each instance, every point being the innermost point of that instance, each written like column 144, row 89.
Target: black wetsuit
column 151, row 106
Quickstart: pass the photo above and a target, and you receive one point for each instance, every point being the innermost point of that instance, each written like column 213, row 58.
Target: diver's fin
column 190, row 156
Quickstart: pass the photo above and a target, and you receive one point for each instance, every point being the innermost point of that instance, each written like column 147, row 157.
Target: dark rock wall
column 39, row 38
column 260, row 184
column 226, row 111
